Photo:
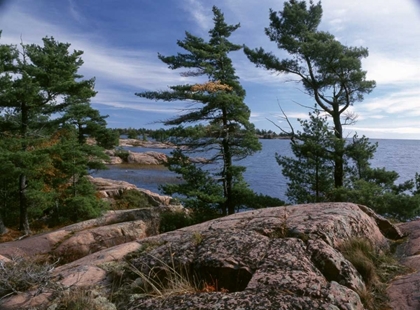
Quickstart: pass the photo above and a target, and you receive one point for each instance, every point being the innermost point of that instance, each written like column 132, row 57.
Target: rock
column 388, row 230
column 274, row 258
column 257, row 267
column 404, row 291
column 146, row 144
column 93, row 240
column 147, row 158
column 114, row 160
column 200, row 160
column 108, row 188
column 80, row 239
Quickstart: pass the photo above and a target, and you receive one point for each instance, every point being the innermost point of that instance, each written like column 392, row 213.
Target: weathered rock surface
column 113, row 158
column 404, row 291
column 108, row 188
column 147, row 158
column 276, row 258
column 78, row 240
column 146, row 144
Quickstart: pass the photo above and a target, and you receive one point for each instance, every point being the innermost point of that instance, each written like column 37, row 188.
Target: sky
column 121, row 40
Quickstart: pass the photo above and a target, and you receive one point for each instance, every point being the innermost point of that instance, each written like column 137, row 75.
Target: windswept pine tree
column 218, row 104
column 329, row 71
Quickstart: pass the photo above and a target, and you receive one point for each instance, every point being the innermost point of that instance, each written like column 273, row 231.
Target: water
column 263, row 173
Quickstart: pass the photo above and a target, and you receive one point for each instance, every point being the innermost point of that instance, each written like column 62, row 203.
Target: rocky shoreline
column 274, row 258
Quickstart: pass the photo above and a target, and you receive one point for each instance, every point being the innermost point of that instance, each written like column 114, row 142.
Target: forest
column 47, row 124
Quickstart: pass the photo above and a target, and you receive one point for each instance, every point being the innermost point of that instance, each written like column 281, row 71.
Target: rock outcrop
column 275, row 258
column 80, row 239
column 146, row 144
column 147, row 158
column 404, row 291
column 108, row 189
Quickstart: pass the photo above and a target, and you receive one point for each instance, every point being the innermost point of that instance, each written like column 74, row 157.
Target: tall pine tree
column 329, row 71
column 219, row 103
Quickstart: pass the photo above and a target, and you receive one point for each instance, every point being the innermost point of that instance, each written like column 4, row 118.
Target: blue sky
column 121, row 39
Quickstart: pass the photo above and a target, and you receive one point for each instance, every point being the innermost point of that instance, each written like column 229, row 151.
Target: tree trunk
column 339, row 153
column 3, row 228
column 24, row 223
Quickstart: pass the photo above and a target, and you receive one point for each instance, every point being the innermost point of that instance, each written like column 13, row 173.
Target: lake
column 263, row 173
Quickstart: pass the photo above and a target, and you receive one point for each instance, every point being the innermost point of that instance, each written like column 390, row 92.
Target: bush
column 170, row 221
column 130, row 199
column 398, row 205
column 121, row 153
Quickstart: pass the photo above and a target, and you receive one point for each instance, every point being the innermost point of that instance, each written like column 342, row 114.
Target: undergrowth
column 376, row 267
column 130, row 199
column 20, row 275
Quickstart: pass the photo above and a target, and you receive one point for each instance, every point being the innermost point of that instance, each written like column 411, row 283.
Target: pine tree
column 310, row 171
column 37, row 84
column 329, row 71
column 220, row 102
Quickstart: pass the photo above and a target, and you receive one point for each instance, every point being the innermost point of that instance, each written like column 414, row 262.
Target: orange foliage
column 211, row 87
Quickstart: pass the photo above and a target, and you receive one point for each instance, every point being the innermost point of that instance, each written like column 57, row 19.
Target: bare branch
column 349, row 118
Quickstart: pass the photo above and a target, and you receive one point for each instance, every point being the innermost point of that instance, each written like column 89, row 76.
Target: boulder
column 108, row 188
column 147, row 158
column 387, row 228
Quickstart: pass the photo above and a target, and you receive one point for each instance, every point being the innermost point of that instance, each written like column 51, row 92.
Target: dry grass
column 283, row 230
column 21, row 275
column 376, row 267
column 163, row 279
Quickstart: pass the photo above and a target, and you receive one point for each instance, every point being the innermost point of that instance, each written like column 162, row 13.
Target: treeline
column 164, row 135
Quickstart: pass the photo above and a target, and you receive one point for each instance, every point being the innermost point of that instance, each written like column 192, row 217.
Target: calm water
column 264, row 174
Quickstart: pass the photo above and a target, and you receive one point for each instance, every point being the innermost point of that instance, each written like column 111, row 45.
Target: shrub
column 170, row 221
column 130, row 199
column 121, row 153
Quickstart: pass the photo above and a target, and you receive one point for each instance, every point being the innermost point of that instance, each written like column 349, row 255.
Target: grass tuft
column 376, row 267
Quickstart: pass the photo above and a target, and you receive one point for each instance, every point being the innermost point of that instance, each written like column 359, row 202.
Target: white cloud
column 388, row 69
column 199, row 13
column 75, row 13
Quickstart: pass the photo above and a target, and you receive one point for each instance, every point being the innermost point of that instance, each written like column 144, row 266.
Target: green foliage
column 130, row 199
column 401, row 206
column 329, row 71
column 198, row 190
column 227, row 131
column 310, row 171
column 121, row 153
column 45, row 118
column 170, row 221
column 132, row 134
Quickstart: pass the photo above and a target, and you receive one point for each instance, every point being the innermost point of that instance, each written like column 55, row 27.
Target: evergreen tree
column 329, row 71
column 310, row 171
column 37, row 84
column 89, row 123
column 229, row 133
